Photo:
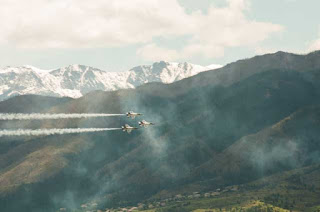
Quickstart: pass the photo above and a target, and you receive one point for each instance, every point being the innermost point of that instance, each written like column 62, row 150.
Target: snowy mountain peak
column 30, row 67
column 214, row 66
column 76, row 80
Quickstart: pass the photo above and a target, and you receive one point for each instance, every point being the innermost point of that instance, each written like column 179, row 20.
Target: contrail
column 38, row 132
column 41, row 116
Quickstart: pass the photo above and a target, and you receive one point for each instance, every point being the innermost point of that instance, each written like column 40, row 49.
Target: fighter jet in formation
column 144, row 123
column 127, row 128
column 132, row 114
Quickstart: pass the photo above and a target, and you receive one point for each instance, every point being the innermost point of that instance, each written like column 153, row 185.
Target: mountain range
column 76, row 80
column 252, row 125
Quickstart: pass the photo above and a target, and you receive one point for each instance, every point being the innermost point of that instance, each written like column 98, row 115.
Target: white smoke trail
column 41, row 116
column 38, row 132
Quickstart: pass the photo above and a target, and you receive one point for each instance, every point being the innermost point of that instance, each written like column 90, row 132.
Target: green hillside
column 250, row 120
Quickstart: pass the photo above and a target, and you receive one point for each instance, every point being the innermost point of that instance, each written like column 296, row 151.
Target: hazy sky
column 116, row 35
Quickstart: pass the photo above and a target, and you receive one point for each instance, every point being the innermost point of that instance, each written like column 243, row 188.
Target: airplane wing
column 132, row 116
column 126, row 125
column 129, row 131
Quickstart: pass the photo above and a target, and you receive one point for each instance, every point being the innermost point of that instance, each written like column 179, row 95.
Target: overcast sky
column 116, row 35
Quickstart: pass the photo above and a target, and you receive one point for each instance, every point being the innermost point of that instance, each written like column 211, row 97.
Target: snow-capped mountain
column 77, row 80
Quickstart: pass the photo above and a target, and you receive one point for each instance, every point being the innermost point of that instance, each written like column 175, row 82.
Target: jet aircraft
column 132, row 114
column 127, row 128
column 144, row 123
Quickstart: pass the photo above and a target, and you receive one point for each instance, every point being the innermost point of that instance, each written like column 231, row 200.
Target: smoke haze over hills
column 248, row 121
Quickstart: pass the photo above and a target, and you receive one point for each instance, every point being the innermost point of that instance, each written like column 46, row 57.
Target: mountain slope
column 294, row 190
column 290, row 143
column 242, row 69
column 201, row 136
column 77, row 80
column 30, row 103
